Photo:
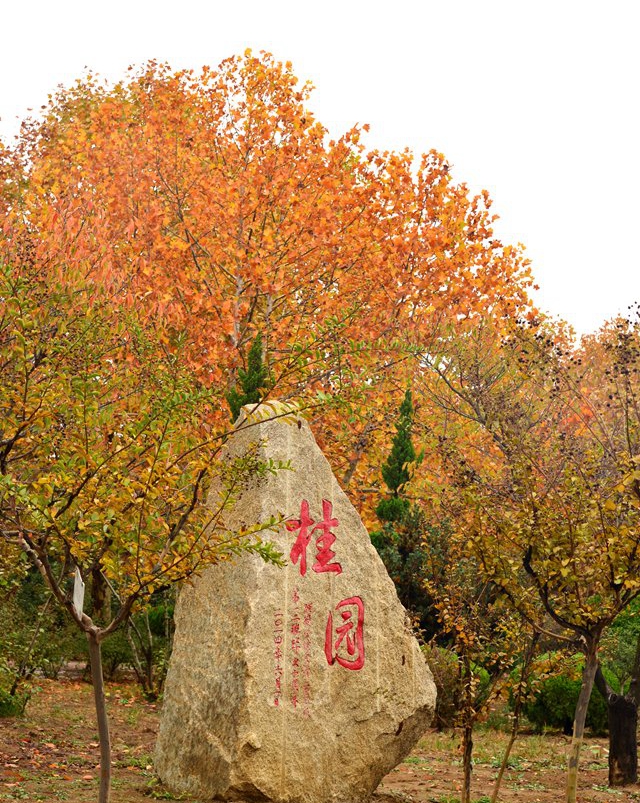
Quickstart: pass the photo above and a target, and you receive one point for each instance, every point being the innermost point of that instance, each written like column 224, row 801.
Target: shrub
column 116, row 652
column 11, row 705
column 553, row 703
column 444, row 665
column 618, row 648
column 400, row 545
column 36, row 639
column 395, row 508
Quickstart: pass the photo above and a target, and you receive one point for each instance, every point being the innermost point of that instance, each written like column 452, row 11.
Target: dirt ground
column 536, row 773
column 51, row 754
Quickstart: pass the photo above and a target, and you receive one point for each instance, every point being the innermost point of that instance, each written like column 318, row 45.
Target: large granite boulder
column 302, row 683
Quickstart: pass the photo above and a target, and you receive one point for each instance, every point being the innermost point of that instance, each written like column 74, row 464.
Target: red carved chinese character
column 344, row 639
column 324, row 542
column 299, row 549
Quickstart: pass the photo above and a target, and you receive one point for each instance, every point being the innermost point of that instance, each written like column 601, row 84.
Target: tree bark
column 505, row 761
column 588, row 677
column 622, row 711
column 95, row 655
column 623, row 746
column 467, row 730
column 517, row 710
column 467, row 750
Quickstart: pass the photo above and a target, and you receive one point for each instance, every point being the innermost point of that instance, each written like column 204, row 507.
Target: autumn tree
column 545, row 483
column 106, row 451
column 609, row 386
column 218, row 202
column 440, row 581
column 482, row 630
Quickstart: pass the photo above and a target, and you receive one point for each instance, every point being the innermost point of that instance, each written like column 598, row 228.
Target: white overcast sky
column 536, row 101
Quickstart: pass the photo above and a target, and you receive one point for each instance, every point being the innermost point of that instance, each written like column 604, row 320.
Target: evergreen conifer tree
column 404, row 528
column 395, row 470
column 252, row 382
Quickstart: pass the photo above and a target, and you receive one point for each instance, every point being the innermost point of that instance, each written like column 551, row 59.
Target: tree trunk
column 467, row 750
column 588, row 677
column 517, row 710
column 623, row 746
column 505, row 763
column 95, row 656
column 622, row 713
column 512, row 738
column 467, row 730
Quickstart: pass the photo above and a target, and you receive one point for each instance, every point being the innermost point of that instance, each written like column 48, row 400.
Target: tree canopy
column 215, row 202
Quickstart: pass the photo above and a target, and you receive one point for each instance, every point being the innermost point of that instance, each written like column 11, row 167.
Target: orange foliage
column 216, row 203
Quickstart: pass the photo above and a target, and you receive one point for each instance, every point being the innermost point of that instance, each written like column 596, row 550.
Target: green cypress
column 396, row 468
column 252, row 382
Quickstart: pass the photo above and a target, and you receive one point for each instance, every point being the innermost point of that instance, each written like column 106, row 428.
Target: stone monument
column 301, row 684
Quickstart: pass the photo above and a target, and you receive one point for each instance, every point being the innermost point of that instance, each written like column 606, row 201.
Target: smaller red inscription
column 278, row 641
column 306, row 653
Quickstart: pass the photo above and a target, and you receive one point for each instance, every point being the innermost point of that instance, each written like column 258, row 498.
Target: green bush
column 618, row 648
column 161, row 616
column 395, row 508
column 116, row 652
column 400, row 545
column 444, row 665
column 37, row 639
column 553, row 705
column 11, row 705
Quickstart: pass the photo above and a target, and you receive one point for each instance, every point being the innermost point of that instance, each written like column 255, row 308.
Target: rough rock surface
column 301, row 684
